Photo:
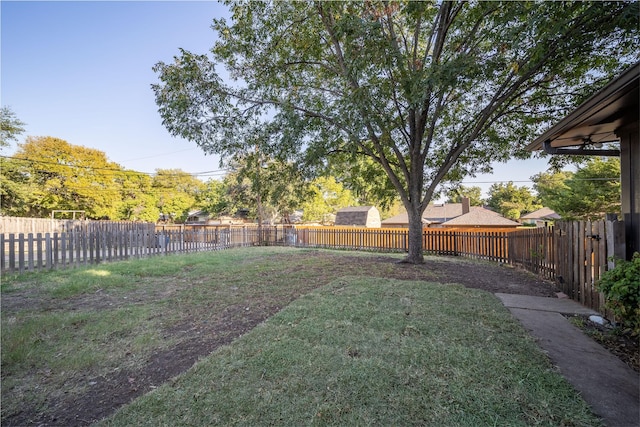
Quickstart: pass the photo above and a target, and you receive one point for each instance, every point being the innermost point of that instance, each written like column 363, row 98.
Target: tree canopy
column 48, row 173
column 365, row 179
column 62, row 176
column 432, row 92
column 473, row 193
column 10, row 126
column 274, row 188
column 512, row 201
column 176, row 193
column 326, row 197
column 589, row 193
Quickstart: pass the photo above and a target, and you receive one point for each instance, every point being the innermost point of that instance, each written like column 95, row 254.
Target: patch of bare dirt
column 198, row 338
column 615, row 339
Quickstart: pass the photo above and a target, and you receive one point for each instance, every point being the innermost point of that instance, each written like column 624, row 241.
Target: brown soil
column 615, row 339
column 108, row 393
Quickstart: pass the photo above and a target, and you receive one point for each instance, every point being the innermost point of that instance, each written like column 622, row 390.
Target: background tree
column 511, row 201
column 138, row 200
column 10, row 126
column 17, row 188
column 213, row 198
column 431, row 91
column 275, row 187
column 176, row 193
column 365, row 179
column 60, row 175
column 326, row 197
column 551, row 186
column 589, row 193
column 474, row 194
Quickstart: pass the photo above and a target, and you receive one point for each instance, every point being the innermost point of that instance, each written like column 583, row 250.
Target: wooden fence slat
column 30, row 252
column 3, row 253
column 49, row 254
column 21, row 252
column 63, row 249
column 42, row 251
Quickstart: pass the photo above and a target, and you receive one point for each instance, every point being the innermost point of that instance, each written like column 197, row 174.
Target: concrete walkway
column 608, row 385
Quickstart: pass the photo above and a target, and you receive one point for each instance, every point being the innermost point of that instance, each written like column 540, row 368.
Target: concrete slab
column 556, row 305
column 609, row 386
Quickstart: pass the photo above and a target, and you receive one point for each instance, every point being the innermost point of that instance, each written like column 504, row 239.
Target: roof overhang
column 596, row 120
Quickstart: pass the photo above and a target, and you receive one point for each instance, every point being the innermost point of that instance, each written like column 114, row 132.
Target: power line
column 542, row 180
column 116, row 170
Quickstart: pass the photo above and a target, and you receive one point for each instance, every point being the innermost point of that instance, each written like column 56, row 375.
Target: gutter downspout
column 580, row 151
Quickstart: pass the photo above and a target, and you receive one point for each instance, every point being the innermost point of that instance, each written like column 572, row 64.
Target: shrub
column 621, row 288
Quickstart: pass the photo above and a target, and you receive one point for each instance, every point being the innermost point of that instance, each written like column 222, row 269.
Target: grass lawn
column 355, row 347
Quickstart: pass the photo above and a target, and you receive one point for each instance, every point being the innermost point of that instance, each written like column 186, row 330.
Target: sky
column 82, row 71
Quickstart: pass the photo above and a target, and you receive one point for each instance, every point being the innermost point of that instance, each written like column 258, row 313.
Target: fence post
column 616, row 247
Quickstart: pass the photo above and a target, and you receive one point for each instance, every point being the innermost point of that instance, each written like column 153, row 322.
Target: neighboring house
column 480, row 217
column 361, row 216
column 197, row 217
column 203, row 218
column 610, row 115
column 540, row 218
column 454, row 215
column 433, row 215
column 401, row 221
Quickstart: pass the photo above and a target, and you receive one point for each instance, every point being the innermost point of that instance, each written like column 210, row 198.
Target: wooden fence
column 17, row 225
column 574, row 254
column 486, row 244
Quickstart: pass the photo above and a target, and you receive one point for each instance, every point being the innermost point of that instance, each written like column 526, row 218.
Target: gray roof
column 356, row 209
column 544, row 213
column 358, row 215
column 401, row 219
column 452, row 215
column 479, row 216
column 442, row 213
column 432, row 214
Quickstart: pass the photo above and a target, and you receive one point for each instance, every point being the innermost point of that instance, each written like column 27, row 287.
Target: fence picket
column 21, row 252
column 30, row 252
column 3, row 263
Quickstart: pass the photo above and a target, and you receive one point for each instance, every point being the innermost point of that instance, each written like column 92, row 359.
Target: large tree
column 326, row 197
column 213, row 198
column 139, row 200
column 589, row 193
column 176, row 193
column 473, row 193
column 17, row 188
column 274, row 188
column 431, row 91
column 365, row 179
column 58, row 175
column 512, row 201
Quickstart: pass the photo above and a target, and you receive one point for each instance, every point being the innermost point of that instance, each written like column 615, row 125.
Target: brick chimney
column 466, row 205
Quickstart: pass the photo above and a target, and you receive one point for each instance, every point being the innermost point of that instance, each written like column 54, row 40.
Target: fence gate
column 581, row 258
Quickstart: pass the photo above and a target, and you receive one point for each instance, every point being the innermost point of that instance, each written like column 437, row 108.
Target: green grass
column 357, row 346
column 368, row 351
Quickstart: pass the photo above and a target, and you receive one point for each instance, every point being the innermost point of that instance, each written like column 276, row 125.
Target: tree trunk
column 415, row 255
